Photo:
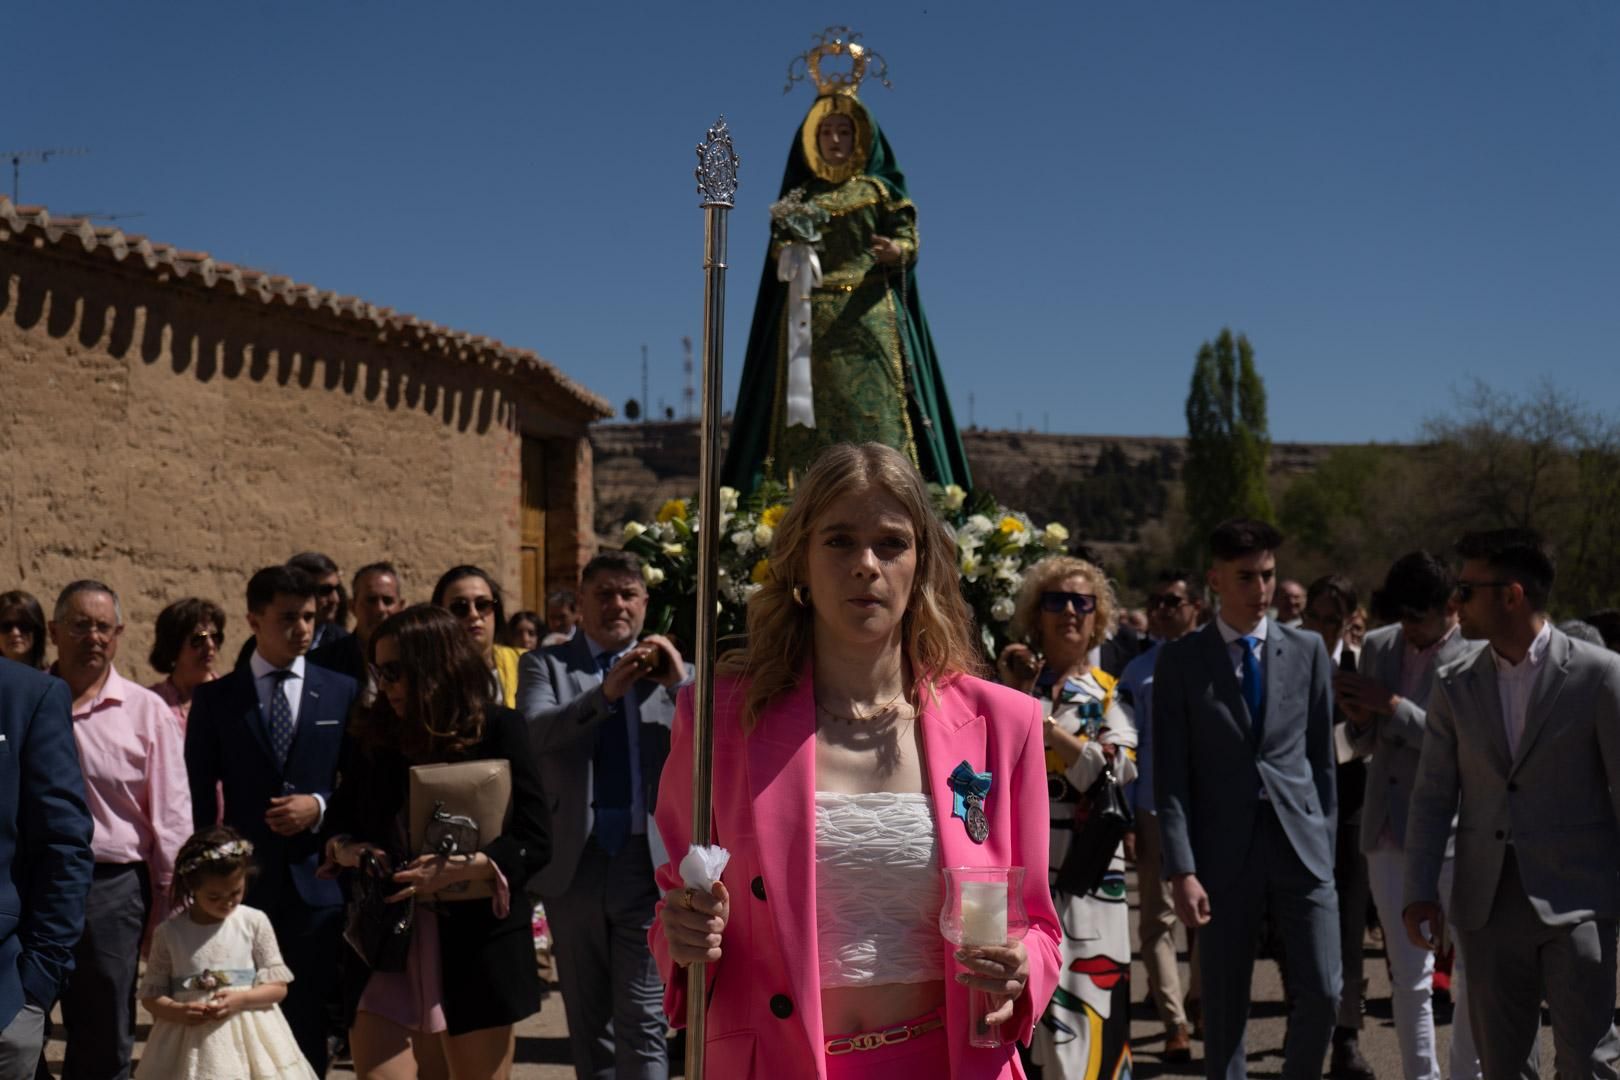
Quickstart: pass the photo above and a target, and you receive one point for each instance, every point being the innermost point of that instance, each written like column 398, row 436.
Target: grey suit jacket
column 1557, row 800
column 1209, row 767
column 1394, row 743
column 560, row 694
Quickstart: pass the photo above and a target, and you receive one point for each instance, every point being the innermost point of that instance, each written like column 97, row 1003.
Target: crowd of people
column 1441, row 763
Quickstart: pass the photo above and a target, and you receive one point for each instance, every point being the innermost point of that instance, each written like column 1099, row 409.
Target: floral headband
column 230, row 849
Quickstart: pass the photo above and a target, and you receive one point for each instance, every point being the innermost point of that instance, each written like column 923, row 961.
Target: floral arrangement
column 794, row 220
column 995, row 545
column 207, row 980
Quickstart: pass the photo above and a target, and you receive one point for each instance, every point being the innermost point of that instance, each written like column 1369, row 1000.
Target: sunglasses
column 201, row 638
column 461, row 607
column 389, row 673
column 1465, row 589
column 17, row 628
column 1168, row 602
column 327, row 590
column 1057, row 602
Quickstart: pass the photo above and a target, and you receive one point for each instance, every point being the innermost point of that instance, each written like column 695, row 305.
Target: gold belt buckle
column 874, row 1040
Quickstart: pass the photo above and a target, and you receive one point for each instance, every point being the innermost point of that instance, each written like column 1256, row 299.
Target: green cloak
column 875, row 374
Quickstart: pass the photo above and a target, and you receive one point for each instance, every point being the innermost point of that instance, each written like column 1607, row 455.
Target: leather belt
column 874, row 1040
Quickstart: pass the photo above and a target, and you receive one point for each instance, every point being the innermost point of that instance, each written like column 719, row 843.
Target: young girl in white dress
column 215, row 975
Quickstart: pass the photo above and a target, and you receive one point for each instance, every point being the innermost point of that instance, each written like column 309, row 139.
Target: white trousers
column 1411, row 974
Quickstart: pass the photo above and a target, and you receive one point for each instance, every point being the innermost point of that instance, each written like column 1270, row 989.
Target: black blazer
column 227, row 741
column 45, row 860
column 345, row 655
column 488, row 965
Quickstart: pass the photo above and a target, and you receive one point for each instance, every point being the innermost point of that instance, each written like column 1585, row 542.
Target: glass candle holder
column 984, row 905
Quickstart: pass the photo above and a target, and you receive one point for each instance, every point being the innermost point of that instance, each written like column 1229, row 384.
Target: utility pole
column 17, row 157
column 645, row 402
column 689, row 394
column 970, row 410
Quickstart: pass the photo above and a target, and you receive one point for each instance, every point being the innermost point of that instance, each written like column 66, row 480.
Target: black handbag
column 1102, row 819
column 377, row 930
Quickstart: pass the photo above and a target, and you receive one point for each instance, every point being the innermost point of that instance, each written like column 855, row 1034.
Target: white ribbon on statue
column 801, row 269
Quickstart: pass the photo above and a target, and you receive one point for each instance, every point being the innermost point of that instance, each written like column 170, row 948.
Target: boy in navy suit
column 270, row 733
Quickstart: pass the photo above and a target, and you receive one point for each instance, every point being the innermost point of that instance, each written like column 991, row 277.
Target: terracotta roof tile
column 36, row 225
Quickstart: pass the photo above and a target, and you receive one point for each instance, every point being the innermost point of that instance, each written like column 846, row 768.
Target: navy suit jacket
column 228, row 742
column 45, row 859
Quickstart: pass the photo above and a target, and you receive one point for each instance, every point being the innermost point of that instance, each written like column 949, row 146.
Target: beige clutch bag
column 458, row 808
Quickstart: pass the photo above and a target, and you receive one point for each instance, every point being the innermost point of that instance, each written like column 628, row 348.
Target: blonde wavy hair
column 937, row 628
column 1026, row 620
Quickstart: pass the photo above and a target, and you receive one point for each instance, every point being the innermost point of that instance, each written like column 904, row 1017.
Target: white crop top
column 878, row 889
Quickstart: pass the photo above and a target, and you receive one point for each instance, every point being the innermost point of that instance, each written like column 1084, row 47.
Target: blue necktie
column 611, row 776
column 281, row 725
column 1254, row 688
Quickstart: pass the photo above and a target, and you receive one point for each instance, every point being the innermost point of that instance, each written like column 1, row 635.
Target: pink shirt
column 135, row 783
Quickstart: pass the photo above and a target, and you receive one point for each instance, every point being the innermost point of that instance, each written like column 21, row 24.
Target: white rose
column 979, row 525
column 674, row 549
column 763, row 534
column 954, row 497
column 1055, row 536
column 633, row 529
column 651, row 575
column 728, row 498
column 1002, row 609
column 1007, row 569
column 744, row 541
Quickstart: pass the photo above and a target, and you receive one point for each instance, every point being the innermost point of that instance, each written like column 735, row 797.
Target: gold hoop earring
column 801, row 596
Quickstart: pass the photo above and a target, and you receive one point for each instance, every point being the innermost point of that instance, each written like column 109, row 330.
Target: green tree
column 1228, row 442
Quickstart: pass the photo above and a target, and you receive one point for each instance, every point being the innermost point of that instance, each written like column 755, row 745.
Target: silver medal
column 978, row 828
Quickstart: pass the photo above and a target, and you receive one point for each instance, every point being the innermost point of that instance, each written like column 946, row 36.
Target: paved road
column 542, row 1040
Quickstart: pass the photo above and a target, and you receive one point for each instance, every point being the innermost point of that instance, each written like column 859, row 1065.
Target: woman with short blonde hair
column 855, row 755
column 1065, row 609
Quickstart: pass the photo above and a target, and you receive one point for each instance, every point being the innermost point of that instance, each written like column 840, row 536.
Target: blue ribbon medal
column 970, row 789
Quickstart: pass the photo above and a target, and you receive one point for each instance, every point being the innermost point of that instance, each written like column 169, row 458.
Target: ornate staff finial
column 717, row 167
column 836, row 41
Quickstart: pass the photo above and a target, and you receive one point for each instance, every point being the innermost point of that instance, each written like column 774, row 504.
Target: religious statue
column 839, row 350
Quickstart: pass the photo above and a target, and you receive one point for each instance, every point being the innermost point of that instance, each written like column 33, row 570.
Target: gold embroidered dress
column 872, row 372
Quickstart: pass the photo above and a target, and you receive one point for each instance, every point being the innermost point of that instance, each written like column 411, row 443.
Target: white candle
column 984, row 913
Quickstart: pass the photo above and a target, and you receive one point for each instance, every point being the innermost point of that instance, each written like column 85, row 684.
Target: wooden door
column 532, row 526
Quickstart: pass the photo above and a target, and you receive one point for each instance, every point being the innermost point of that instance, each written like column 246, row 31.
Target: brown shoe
column 1177, row 1045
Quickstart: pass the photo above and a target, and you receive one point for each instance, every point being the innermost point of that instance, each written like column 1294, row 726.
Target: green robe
column 874, row 374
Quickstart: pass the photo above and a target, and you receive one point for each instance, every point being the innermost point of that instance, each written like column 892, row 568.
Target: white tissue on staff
column 984, row 913
column 703, row 866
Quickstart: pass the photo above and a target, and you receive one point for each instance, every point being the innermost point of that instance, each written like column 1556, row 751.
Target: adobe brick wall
column 170, row 441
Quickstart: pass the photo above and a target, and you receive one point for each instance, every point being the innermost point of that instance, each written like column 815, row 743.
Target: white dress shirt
column 1514, row 683
column 264, row 684
column 1234, row 646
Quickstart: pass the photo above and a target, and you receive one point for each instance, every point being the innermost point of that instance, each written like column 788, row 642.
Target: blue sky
column 1389, row 198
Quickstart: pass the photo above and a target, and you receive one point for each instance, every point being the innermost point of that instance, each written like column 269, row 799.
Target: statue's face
column 835, row 138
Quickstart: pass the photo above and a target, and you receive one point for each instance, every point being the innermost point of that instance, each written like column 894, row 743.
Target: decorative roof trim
column 37, row 226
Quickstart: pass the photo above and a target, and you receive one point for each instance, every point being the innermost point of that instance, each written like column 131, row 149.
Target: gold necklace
column 858, row 719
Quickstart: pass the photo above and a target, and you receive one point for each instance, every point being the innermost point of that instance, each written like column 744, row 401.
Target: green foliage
column 1228, row 440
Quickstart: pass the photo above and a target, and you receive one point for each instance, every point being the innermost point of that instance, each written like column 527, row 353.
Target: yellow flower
column 674, row 549
column 1010, row 525
column 651, row 575
column 672, row 510
column 762, row 570
column 773, row 515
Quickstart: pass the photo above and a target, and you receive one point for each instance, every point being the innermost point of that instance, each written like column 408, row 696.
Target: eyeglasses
column 1465, row 589
column 85, row 627
column 328, row 589
column 25, row 628
column 1057, row 602
column 1168, row 601
column 461, row 607
column 201, row 639
column 388, row 673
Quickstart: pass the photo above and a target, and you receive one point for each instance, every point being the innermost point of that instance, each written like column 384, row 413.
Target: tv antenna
column 17, row 157
column 108, row 215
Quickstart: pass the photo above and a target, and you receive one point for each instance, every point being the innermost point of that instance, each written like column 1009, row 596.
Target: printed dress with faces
column 1085, row 1029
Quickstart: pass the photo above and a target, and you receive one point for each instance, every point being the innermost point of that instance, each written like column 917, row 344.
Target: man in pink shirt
column 140, row 802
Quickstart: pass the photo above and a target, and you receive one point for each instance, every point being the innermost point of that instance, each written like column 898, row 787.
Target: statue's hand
column 886, row 251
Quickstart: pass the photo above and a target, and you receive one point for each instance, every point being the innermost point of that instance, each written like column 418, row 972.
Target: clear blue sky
column 1388, row 197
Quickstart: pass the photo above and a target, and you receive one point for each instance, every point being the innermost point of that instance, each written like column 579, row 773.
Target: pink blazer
column 764, row 1016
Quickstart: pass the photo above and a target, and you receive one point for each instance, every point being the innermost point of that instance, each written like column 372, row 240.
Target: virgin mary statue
column 839, row 350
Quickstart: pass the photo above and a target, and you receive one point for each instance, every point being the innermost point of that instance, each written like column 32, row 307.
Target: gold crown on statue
column 837, row 41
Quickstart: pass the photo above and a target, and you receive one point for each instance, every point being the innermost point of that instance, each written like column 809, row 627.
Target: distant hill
column 1113, row 491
